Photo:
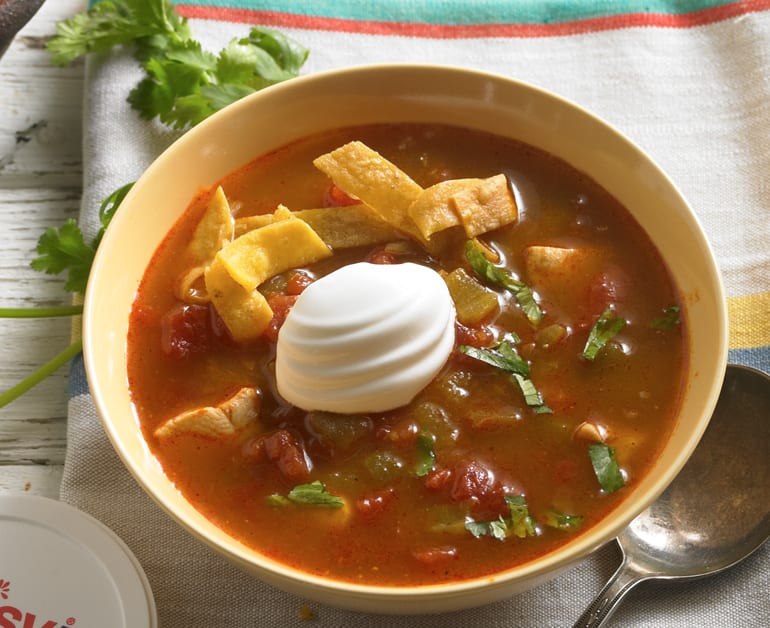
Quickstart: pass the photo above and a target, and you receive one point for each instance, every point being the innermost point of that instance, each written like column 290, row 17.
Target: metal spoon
column 716, row 511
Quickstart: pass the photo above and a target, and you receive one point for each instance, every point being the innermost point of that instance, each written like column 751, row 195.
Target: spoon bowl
column 716, row 512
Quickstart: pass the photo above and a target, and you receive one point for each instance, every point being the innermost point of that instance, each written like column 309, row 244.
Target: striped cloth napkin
column 687, row 80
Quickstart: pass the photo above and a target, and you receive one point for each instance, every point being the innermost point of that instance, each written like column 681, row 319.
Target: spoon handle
column 604, row 604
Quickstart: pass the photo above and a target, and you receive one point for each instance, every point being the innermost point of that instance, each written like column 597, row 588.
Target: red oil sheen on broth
column 397, row 527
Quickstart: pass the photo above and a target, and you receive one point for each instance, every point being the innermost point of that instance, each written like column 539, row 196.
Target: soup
column 562, row 384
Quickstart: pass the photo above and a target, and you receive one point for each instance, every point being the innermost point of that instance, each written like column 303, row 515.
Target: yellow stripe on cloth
column 749, row 318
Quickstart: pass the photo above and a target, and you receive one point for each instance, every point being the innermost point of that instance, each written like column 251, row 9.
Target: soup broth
column 468, row 479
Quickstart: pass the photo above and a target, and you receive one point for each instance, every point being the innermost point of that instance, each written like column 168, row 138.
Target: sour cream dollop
column 365, row 338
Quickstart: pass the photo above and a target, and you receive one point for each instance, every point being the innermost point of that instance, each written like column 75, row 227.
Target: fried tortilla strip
column 245, row 313
column 433, row 210
column 224, row 419
column 346, row 227
column 259, row 254
column 486, row 206
column 365, row 174
column 339, row 227
column 213, row 231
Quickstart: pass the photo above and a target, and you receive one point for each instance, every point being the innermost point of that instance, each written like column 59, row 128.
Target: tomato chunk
column 372, row 506
column 285, row 451
column 609, row 287
column 280, row 304
column 336, row 197
column 185, row 329
column 474, row 482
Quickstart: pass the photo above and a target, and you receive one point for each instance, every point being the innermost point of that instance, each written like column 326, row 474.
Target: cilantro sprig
column 60, row 250
column 149, row 24
column 183, row 85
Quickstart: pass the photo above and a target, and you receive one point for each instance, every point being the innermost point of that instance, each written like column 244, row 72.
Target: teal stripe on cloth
column 461, row 12
column 77, row 383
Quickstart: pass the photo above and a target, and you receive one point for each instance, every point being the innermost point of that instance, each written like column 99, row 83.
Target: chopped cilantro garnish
column 518, row 523
column 505, row 357
column 555, row 519
column 606, row 467
column 497, row 528
column 502, row 277
column 313, row 494
column 426, row 455
column 521, row 523
column 605, row 329
column 532, row 395
column 668, row 320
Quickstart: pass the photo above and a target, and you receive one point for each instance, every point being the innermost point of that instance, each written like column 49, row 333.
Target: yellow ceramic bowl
column 398, row 93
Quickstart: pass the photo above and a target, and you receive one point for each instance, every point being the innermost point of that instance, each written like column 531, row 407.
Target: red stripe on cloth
column 465, row 31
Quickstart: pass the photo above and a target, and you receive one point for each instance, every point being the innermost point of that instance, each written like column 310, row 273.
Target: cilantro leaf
column 532, row 395
column 288, row 54
column 505, row 357
column 606, row 467
column 518, row 522
column 606, row 327
column 502, row 277
column 497, row 528
column 561, row 521
column 64, row 249
column 668, row 320
column 313, row 494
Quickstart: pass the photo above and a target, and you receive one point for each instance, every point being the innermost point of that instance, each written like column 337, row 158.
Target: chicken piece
column 553, row 268
column 225, row 419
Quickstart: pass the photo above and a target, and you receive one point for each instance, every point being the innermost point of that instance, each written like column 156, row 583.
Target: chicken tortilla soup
column 406, row 354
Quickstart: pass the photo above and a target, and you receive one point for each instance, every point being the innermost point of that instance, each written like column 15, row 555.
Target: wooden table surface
column 40, row 186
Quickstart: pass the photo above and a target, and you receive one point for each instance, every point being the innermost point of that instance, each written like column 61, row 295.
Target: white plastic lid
column 61, row 567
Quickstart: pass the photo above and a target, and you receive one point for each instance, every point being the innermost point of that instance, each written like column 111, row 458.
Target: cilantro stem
column 40, row 312
column 40, row 374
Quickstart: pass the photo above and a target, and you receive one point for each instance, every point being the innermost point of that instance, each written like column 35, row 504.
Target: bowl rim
column 552, row 562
